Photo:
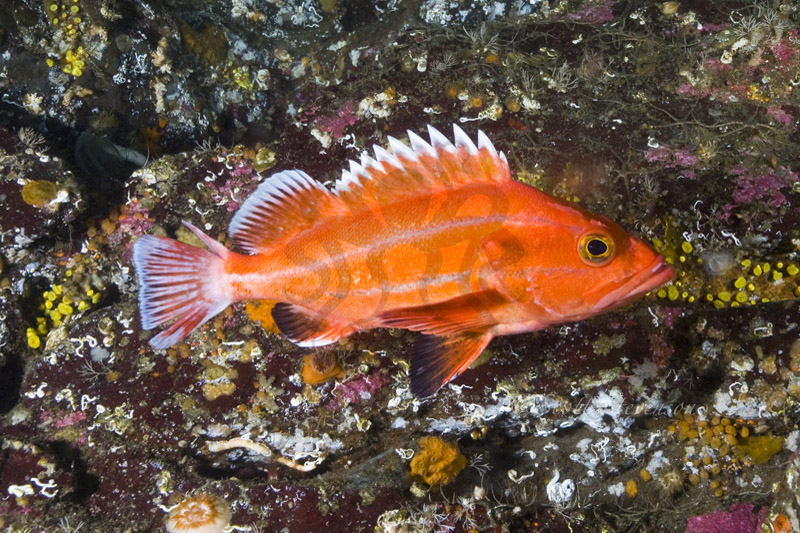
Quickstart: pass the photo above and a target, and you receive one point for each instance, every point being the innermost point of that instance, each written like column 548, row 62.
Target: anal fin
column 305, row 328
column 469, row 312
column 437, row 360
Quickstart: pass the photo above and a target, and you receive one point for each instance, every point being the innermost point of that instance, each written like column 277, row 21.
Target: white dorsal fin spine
column 438, row 140
column 367, row 163
column 484, row 142
column 419, row 145
column 401, row 149
column 370, row 169
column 358, row 171
column 346, row 181
column 463, row 140
column 383, row 156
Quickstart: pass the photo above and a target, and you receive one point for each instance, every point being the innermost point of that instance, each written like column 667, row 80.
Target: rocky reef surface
column 676, row 413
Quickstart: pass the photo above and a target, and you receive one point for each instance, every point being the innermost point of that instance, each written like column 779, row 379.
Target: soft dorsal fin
column 286, row 203
column 422, row 167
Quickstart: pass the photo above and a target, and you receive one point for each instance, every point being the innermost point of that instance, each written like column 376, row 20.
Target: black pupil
column 596, row 247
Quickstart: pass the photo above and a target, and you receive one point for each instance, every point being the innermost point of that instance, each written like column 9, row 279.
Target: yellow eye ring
column 596, row 249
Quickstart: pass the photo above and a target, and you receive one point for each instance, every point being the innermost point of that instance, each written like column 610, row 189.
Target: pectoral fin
column 502, row 249
column 437, row 360
column 503, row 252
column 475, row 311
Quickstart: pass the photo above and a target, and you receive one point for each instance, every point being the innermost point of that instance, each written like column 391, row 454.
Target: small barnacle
column 592, row 65
column 669, row 8
column 512, row 103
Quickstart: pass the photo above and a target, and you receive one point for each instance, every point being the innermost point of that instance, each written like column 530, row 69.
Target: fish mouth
column 657, row 273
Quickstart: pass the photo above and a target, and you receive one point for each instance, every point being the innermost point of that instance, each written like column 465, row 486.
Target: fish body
column 434, row 237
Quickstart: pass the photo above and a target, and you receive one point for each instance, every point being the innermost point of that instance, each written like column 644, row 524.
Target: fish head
column 625, row 269
column 591, row 266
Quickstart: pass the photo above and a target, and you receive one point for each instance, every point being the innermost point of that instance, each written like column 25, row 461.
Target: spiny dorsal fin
column 287, row 202
column 291, row 201
column 422, row 167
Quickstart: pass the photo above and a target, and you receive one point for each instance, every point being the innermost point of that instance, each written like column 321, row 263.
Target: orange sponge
column 438, row 462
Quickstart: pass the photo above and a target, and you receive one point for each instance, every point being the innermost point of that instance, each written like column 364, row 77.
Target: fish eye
column 596, row 249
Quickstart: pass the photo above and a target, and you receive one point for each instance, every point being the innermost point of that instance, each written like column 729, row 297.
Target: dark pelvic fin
column 437, row 360
column 306, row 328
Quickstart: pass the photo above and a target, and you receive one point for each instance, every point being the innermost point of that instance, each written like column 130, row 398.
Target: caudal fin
column 178, row 280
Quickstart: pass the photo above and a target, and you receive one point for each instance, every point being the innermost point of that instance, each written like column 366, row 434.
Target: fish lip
column 657, row 273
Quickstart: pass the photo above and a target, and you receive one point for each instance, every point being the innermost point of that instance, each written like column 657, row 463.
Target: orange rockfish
column 434, row 237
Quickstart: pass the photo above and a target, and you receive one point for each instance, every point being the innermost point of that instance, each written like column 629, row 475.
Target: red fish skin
column 416, row 253
column 441, row 241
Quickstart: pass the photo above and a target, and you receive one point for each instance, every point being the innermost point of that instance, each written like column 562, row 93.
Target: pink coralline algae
column 784, row 51
column 713, row 28
column 336, row 124
column 61, row 422
column 660, row 350
column 669, row 315
column 764, row 187
column 594, row 15
column 673, row 158
column 778, row 114
column 134, row 224
column 361, row 388
column 70, row 419
column 239, row 182
column 739, row 519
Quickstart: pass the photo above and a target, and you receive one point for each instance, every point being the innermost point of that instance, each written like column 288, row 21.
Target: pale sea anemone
column 201, row 513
